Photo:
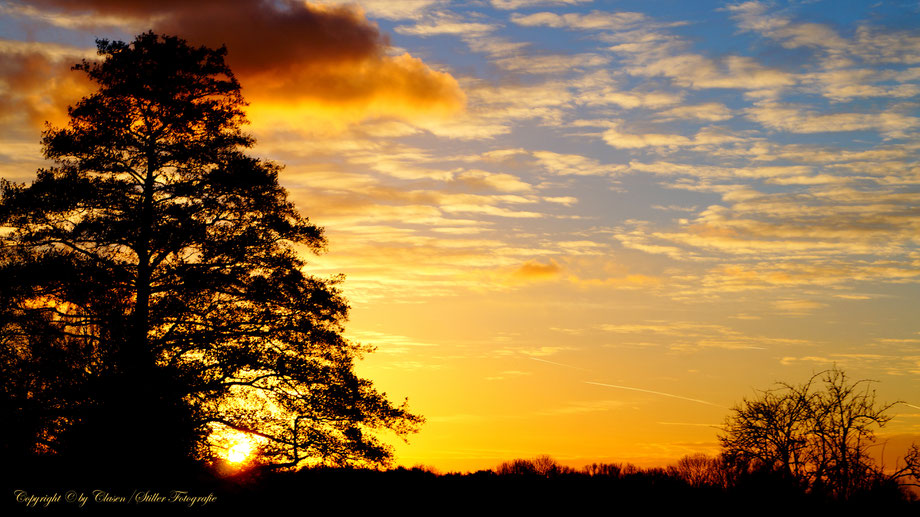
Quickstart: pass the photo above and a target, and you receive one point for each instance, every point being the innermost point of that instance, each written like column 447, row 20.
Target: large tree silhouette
column 152, row 290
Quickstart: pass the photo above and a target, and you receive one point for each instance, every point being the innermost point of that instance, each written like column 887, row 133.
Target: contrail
column 910, row 405
column 559, row 364
column 655, row 393
column 691, row 424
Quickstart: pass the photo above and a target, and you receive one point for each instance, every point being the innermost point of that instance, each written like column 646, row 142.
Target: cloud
column 850, row 67
column 828, row 237
column 833, row 274
column 507, row 374
column 483, row 180
column 710, row 111
column 495, row 46
column 481, row 209
column 707, row 136
column 493, row 109
column 887, row 46
column 786, row 361
column 634, row 282
column 519, row 58
column 689, row 336
column 511, row 5
column 536, row 353
column 102, row 18
column 550, row 63
column 792, row 230
column 374, row 257
column 872, row 44
column 886, row 163
column 36, row 84
column 574, row 164
column 533, row 270
column 845, row 84
column 753, row 16
column 388, row 343
column 797, row 307
column 650, row 52
column 449, row 230
column 598, row 88
column 796, row 119
column 445, row 27
column 297, row 60
column 390, row 9
column 881, row 356
column 715, row 173
column 697, row 72
column 617, row 138
column 595, row 20
column 584, row 265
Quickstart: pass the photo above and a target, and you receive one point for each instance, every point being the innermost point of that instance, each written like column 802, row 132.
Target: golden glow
column 234, row 447
column 401, row 87
column 240, row 451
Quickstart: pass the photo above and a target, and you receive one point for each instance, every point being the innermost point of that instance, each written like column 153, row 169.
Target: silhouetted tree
column 610, row 470
column 817, row 434
column 542, row 466
column 547, row 466
column 700, row 470
column 516, row 467
column 909, row 474
column 151, row 287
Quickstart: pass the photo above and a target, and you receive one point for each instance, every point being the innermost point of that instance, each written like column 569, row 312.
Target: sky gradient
column 582, row 229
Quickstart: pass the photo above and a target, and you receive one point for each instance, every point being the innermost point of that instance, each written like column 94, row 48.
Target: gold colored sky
column 574, row 228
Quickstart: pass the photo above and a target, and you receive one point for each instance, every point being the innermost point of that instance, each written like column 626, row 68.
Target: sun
column 239, row 452
column 240, row 448
column 234, row 447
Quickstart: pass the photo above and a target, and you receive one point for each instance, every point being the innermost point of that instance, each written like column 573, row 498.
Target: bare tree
column 817, row 434
column 909, row 474
column 611, row 470
column 543, row 465
column 516, row 467
column 699, row 470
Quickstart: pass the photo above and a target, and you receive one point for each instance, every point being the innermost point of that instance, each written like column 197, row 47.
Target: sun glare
column 241, row 450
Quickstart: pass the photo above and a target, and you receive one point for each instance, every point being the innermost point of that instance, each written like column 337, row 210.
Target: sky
column 575, row 228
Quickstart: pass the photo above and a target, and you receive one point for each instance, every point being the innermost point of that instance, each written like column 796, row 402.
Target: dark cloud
column 36, row 84
column 283, row 49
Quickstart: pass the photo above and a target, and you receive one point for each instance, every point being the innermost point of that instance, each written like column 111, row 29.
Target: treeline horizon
column 541, row 484
column 715, row 482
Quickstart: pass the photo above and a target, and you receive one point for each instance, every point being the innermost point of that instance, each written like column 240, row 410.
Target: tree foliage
column 817, row 434
column 152, row 288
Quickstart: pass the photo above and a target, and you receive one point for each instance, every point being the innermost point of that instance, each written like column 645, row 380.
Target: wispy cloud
column 517, row 4
column 595, row 20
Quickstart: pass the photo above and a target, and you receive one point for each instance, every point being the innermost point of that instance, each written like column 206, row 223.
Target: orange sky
column 571, row 228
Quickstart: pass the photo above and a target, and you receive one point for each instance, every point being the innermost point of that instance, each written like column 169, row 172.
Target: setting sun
column 237, row 447
column 240, row 451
